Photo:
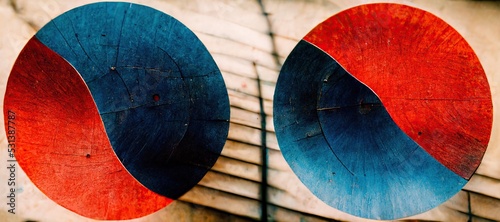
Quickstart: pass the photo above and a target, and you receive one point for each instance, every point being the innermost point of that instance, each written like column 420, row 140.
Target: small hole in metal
column 156, row 97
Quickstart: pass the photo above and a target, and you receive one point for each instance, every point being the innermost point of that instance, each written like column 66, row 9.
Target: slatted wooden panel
column 237, row 33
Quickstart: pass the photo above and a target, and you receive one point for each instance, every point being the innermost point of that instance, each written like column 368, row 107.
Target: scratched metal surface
column 375, row 128
column 341, row 146
column 62, row 144
column 161, row 96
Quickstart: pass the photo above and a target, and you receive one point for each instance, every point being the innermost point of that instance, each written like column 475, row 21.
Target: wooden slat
column 242, row 206
column 185, row 211
column 267, row 74
column 276, row 160
column 440, row 213
column 249, row 102
column 248, row 86
column 236, row 66
column 242, row 151
column 238, row 168
column 241, row 84
column 285, row 190
column 223, row 48
column 247, row 118
column 246, row 188
column 481, row 206
column 295, row 19
column 252, row 154
column 231, row 184
column 281, row 214
column 239, row 33
column 229, row 10
column 223, row 201
column 458, row 202
column 485, row 206
column 484, row 185
column 198, row 20
column 284, row 45
column 267, row 90
column 480, row 219
column 251, row 189
column 490, row 166
column 250, row 171
column 251, row 135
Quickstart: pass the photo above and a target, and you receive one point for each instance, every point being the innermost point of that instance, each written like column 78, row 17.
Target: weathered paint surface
column 61, row 142
column 408, row 117
column 426, row 74
column 154, row 88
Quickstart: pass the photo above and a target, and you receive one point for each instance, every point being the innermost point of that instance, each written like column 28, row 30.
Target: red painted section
column 425, row 73
column 61, row 143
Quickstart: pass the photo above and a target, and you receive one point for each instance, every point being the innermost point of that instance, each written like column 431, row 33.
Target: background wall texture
column 250, row 40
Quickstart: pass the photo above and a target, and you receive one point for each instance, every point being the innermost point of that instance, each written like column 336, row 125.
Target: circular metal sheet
column 383, row 111
column 119, row 109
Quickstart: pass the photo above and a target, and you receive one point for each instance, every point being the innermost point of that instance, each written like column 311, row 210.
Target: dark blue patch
column 161, row 96
column 341, row 142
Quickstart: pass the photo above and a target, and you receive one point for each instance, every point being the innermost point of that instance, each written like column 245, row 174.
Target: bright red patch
column 425, row 73
column 61, row 142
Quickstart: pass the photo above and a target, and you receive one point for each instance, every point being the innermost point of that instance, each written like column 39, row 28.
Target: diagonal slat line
column 264, row 191
column 264, row 183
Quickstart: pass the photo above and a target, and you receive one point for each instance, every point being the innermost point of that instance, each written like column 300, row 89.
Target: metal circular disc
column 119, row 110
column 381, row 104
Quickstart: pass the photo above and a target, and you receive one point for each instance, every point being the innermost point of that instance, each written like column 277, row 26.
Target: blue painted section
column 160, row 94
column 343, row 145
